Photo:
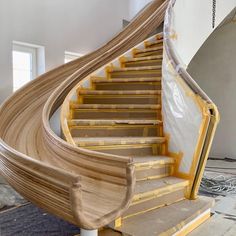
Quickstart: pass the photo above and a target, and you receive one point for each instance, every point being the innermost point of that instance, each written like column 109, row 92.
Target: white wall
column 214, row 69
column 193, row 24
column 73, row 25
column 136, row 6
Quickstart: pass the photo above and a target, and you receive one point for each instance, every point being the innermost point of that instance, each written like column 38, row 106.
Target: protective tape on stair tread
column 152, row 165
column 101, row 143
column 91, row 123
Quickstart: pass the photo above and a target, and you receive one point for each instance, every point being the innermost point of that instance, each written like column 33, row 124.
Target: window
column 70, row 56
column 24, row 65
column 28, row 61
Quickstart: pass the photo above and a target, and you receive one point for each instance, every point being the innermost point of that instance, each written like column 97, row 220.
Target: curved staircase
column 118, row 164
column 120, row 113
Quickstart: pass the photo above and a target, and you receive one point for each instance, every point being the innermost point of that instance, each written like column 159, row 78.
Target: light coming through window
column 24, row 65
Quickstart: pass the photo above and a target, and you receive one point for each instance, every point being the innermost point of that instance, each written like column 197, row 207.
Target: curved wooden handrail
column 47, row 170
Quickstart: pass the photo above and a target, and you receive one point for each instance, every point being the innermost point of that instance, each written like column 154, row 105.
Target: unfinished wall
column 193, row 24
column 58, row 25
column 135, row 6
column 214, row 69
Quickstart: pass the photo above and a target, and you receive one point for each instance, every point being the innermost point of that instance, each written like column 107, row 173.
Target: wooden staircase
column 125, row 170
column 121, row 114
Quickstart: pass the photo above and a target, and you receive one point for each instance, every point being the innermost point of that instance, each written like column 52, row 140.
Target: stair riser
column 157, row 202
column 112, row 131
column 121, row 99
column 136, row 74
column 128, row 86
column 143, row 63
column 154, row 172
column 147, row 54
column 115, row 114
column 154, row 45
column 138, row 150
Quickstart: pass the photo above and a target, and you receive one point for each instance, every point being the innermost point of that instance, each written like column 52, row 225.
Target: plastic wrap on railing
column 181, row 115
column 169, row 35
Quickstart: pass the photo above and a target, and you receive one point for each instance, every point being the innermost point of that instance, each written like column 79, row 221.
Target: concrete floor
column 222, row 223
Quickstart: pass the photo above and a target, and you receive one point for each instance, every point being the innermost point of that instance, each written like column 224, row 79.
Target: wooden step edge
column 89, row 92
column 83, row 142
column 120, row 147
column 75, row 105
column 149, row 44
column 153, row 177
column 80, row 122
column 155, row 207
column 145, row 54
column 127, row 80
column 137, row 51
column 137, row 198
column 151, row 164
column 159, row 36
column 138, row 59
column 138, row 68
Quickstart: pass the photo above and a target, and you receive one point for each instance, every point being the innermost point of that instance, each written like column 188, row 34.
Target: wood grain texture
column 50, row 172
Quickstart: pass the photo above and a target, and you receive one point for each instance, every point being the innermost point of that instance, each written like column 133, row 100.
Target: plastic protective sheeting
column 182, row 116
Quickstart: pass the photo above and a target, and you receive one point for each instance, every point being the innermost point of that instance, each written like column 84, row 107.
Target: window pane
column 22, row 69
column 21, row 77
column 22, row 60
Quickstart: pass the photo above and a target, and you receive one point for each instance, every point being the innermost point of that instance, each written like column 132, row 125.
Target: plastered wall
column 73, row 25
column 193, row 24
column 214, row 69
column 135, row 6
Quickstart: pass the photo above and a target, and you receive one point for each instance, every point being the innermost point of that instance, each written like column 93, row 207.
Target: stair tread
column 119, row 92
column 168, row 220
column 146, row 160
column 131, row 59
column 118, row 140
column 154, row 42
column 154, row 184
column 113, row 122
column 123, row 80
column 149, row 49
column 139, row 68
column 114, row 106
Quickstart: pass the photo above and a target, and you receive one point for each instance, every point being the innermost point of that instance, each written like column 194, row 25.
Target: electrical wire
column 223, row 168
column 228, row 159
column 219, row 185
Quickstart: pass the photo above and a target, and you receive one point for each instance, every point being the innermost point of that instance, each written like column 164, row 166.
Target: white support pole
column 84, row 232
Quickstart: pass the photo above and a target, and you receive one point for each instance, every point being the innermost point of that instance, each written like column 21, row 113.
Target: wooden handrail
column 35, row 161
